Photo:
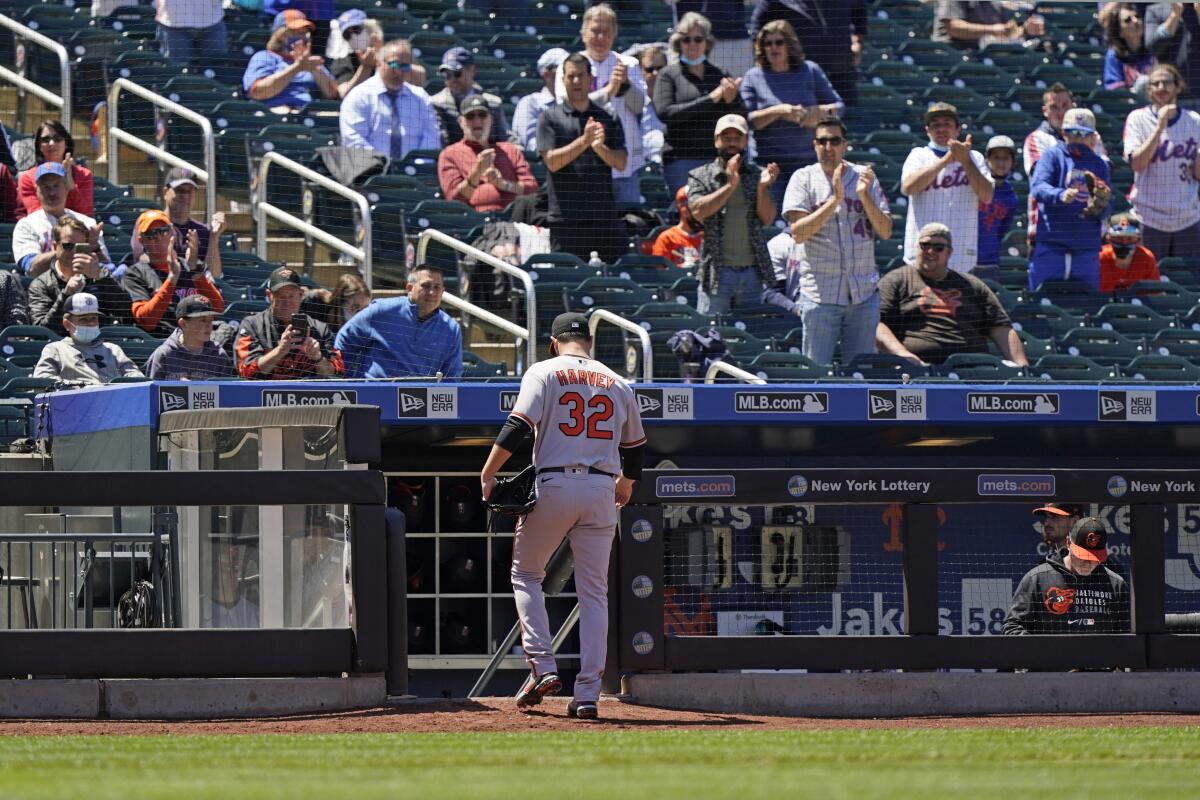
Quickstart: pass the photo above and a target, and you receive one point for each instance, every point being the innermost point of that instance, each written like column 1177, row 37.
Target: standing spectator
column 179, row 198
column 945, row 181
column 1123, row 260
column 786, row 95
column 732, row 197
column 1057, row 100
column 996, row 217
column 1161, row 145
column 1171, row 36
column 583, row 148
column 190, row 353
column 388, row 114
column 280, row 342
column 404, row 336
column 487, row 177
column 731, row 46
column 531, row 106
column 458, row 70
column 159, row 283
column 192, row 31
column 834, row 32
column 652, row 58
column 286, row 74
column 81, row 357
column 76, row 268
column 55, row 145
column 33, row 240
column 928, row 311
column 972, row 24
column 689, row 97
column 617, row 87
column 836, row 209
column 1128, row 61
column 13, row 308
column 681, row 243
column 358, row 42
column 1070, row 184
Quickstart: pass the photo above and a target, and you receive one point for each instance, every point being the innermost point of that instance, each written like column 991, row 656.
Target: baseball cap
column 1124, row 226
column 148, row 218
column 81, row 303
column 179, row 176
column 735, row 121
column 353, row 18
column 1079, row 119
column 940, row 110
column 570, row 322
column 1089, row 540
column 473, row 102
column 294, row 20
column 935, row 229
column 1000, row 143
column 551, row 59
column 456, row 59
column 49, row 168
column 194, row 305
column 283, row 276
column 1060, row 510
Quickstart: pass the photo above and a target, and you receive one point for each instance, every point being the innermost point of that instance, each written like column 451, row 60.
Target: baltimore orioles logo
column 1092, row 541
column 1058, row 601
column 934, row 303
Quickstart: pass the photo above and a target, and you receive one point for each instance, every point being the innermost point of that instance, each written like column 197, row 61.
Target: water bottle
column 594, row 262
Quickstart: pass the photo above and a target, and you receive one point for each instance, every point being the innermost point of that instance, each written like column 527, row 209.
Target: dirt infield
column 501, row 715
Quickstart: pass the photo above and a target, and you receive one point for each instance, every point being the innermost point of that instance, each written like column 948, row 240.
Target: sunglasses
column 476, row 115
column 692, row 39
column 53, row 138
column 933, row 247
column 352, row 31
column 1076, row 132
column 1130, row 20
column 832, row 141
column 776, row 43
column 156, row 233
column 1162, row 83
column 400, row 65
column 68, row 246
column 452, row 73
column 653, row 70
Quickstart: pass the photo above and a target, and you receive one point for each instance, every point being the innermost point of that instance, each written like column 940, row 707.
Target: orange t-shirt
column 1144, row 267
column 681, row 247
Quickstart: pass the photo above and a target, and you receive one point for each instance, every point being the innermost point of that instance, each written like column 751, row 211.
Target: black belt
column 591, row 471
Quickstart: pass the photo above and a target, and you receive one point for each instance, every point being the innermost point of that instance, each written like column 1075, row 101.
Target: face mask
column 1076, row 149
column 86, row 334
column 691, row 62
column 1122, row 250
column 359, row 41
column 936, row 147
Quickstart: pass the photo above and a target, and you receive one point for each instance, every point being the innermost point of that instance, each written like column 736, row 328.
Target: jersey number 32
column 598, row 409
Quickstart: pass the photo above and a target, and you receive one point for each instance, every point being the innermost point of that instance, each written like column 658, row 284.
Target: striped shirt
column 368, row 118
column 1164, row 193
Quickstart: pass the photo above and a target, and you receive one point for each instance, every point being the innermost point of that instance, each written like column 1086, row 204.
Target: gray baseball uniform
column 582, row 413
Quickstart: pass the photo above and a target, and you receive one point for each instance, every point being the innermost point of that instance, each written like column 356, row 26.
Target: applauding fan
column 157, row 286
column 55, row 145
column 287, row 74
column 485, row 176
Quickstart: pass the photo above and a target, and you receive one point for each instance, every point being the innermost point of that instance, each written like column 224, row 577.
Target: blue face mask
column 691, row 62
column 934, row 146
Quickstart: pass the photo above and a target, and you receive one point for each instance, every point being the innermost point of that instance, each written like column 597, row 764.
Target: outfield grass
column 658, row 765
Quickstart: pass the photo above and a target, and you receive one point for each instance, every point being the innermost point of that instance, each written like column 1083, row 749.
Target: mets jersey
column 949, row 199
column 581, row 413
column 1164, row 194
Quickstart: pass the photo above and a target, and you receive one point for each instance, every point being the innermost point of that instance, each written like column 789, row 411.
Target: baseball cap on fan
column 283, row 276
column 294, row 20
column 735, row 121
column 81, row 303
column 194, row 305
column 1060, row 510
column 49, row 168
column 180, row 176
column 1079, row 119
column 570, row 322
column 1000, row 143
column 1089, row 540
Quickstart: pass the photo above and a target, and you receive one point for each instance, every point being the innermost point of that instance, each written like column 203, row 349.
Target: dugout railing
column 638, row 641
column 20, row 79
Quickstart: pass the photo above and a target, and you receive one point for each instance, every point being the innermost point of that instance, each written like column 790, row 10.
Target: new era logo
column 898, row 404
column 648, row 404
column 881, row 405
column 439, row 403
column 1140, row 406
column 173, row 398
column 1110, row 406
column 664, row 403
column 410, row 403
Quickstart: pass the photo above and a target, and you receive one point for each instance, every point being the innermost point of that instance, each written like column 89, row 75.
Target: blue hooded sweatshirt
column 1062, row 224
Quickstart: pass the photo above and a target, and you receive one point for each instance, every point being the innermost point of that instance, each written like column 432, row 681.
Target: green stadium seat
column 743, row 345
column 977, row 367
column 1161, row 369
column 1073, row 296
column 1105, row 347
column 1011, row 56
column 1044, row 320
column 929, row 54
column 682, row 290
column 1183, row 342
column 613, row 294
column 886, row 33
column 969, row 102
column 22, row 344
column 894, row 75
column 25, row 387
column 786, row 366
column 1130, row 319
column 1080, row 83
column 476, row 367
column 882, row 367
column 1063, row 368
column 1165, row 296
column 1007, row 297
column 120, row 334
column 992, row 80
column 241, row 308
column 1015, row 124
column 1035, row 347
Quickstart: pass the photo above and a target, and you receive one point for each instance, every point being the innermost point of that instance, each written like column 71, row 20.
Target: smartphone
column 83, row 249
column 300, row 323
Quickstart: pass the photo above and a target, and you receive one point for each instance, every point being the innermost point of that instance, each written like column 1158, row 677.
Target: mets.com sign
column 695, row 486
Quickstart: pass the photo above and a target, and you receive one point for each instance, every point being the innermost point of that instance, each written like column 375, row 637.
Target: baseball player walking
column 587, row 452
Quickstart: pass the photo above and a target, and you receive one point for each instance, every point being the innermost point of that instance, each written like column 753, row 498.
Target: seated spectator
column 487, row 177
column 33, row 237
column 76, row 268
column 356, row 47
column 81, row 357
column 388, row 114
column 335, row 308
column 531, row 106
column 190, row 354
column 157, row 284
column 404, row 336
column 282, row 343
column 972, row 24
column 1070, row 184
column 786, row 255
column 689, row 97
column 1072, row 591
column 732, row 197
column 945, row 181
column 287, row 74
column 54, row 144
column 681, row 243
column 1127, row 63
column 192, row 32
column 835, row 29
column 582, row 147
column 1172, row 35
column 928, row 311
column 836, row 209
column 996, row 217
column 1160, row 144
column 13, row 308
column 786, row 95
column 179, row 197
column 458, row 71
column 1123, row 260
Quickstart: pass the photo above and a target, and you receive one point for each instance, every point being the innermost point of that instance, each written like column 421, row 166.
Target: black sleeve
column 1024, row 607
column 631, row 461
column 513, row 433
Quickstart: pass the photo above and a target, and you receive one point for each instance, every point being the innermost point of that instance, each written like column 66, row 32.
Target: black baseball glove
column 514, row 496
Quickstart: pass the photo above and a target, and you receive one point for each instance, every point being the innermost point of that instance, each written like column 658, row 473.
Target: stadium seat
column 929, row 54
column 1165, row 296
column 882, row 367
column 1162, row 369
column 1130, row 319
column 1078, row 81
column 22, row 344
column 1060, row 367
column 476, row 367
column 991, row 80
column 786, row 366
column 24, row 387
column 977, row 367
column 614, row 294
column 1044, row 320
column 1106, row 347
column 240, row 308
column 1008, row 298
column 1183, row 342
column 895, row 76
column 1016, row 124
column 1073, row 296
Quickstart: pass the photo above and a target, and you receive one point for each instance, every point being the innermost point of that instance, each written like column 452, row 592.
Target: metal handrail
column 62, row 101
column 116, row 137
column 729, row 369
column 263, row 209
column 599, row 315
column 503, row 266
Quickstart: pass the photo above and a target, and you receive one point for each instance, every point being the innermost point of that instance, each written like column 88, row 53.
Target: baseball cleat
column 533, row 691
column 582, row 709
